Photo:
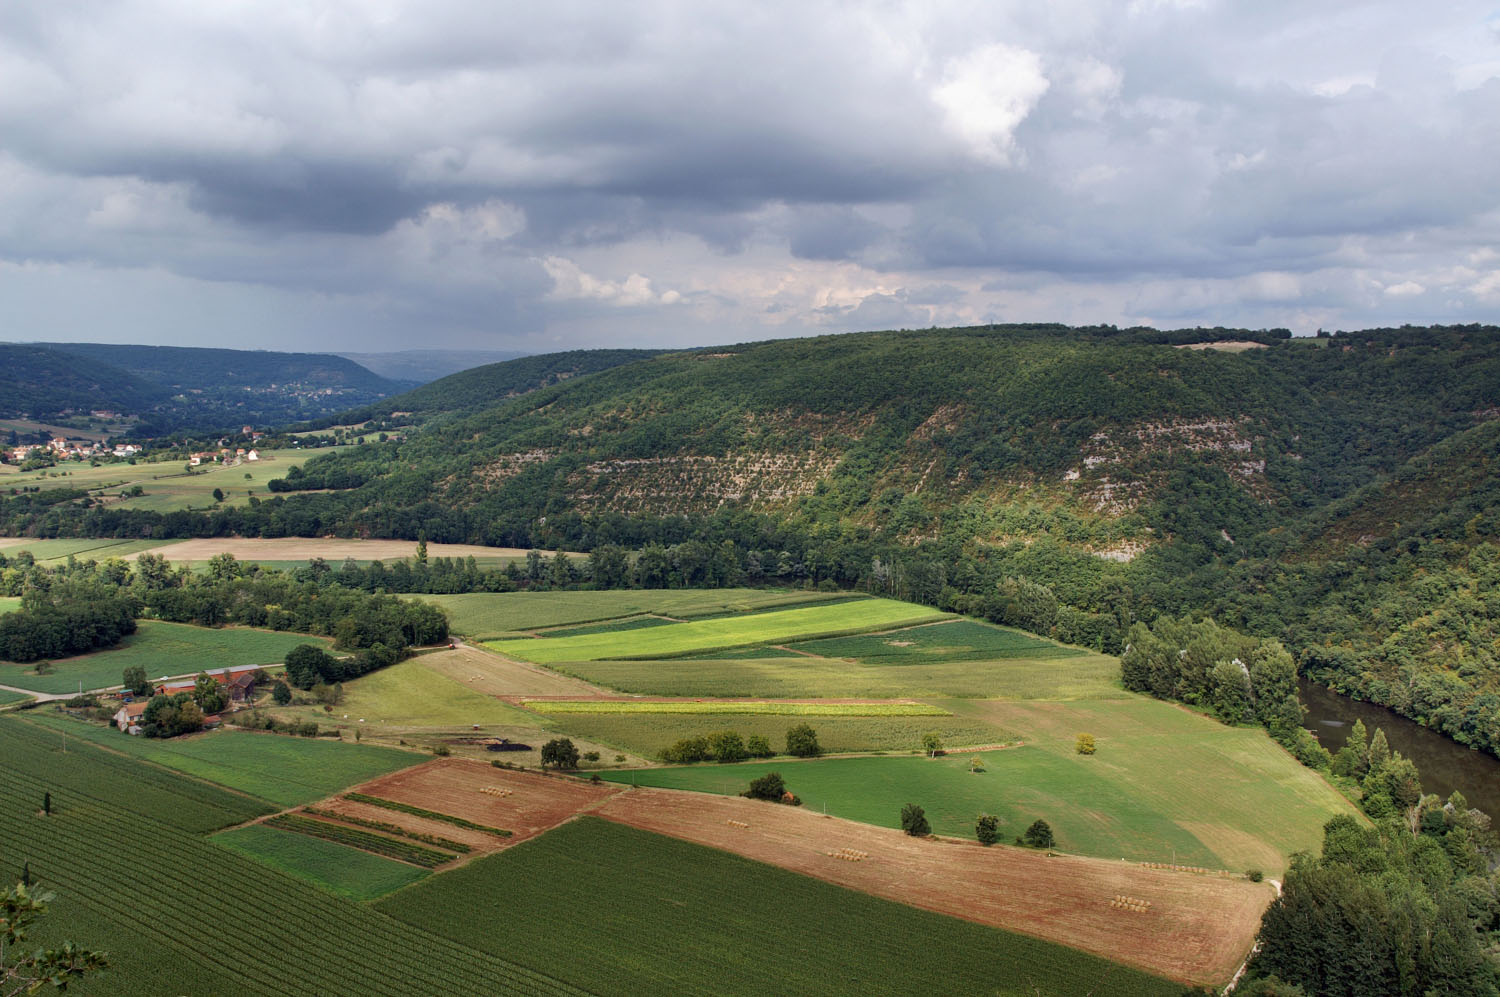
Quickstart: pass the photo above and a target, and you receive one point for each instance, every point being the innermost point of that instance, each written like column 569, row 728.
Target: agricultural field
column 346, row 872
column 410, row 695
column 126, row 854
column 9, row 603
column 162, row 649
column 52, row 552
column 951, row 640
column 487, row 615
column 736, row 707
column 772, row 626
column 300, row 550
column 285, row 771
column 657, row 915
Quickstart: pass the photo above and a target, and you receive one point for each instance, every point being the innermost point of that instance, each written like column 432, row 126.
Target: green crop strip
column 407, row 808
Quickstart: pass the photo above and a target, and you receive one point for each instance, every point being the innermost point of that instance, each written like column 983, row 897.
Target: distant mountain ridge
column 418, row 367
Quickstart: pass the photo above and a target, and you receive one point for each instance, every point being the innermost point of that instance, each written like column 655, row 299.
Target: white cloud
column 1405, row 289
column 986, row 94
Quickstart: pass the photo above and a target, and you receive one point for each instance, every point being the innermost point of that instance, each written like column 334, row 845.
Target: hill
column 36, row 382
column 1070, row 481
column 417, row 367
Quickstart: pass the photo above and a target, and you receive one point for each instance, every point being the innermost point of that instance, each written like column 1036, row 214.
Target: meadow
column 953, row 640
column 409, row 694
column 285, row 771
column 57, row 551
column 9, row 603
column 125, row 853
column 485, row 615
column 658, row 915
column 629, row 707
column 772, row 626
column 339, row 869
column 162, row 649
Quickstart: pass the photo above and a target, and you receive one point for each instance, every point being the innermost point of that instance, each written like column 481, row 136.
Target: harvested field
column 330, row 549
column 455, row 786
column 496, row 675
column 1197, row 929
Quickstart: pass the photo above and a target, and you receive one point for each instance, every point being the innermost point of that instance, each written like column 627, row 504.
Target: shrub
column 727, row 746
column 1085, row 744
column 767, row 787
column 688, row 749
column 756, row 746
column 914, row 821
column 802, row 742
column 1254, row 875
column 281, row 693
column 932, row 743
column 442, row 751
column 987, row 829
column 591, row 756
column 1038, row 835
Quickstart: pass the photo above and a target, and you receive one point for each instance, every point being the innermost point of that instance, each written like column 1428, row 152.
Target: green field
column 9, row 603
column 614, row 626
column 57, row 551
column 746, row 708
column 955, row 640
column 162, row 649
column 628, row 912
column 769, row 673
column 774, row 626
column 7, row 697
column 409, row 694
column 286, row 771
column 336, row 868
column 125, row 852
column 648, row 734
column 1166, row 785
column 485, row 615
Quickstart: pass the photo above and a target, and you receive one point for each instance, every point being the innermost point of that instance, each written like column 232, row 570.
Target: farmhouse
column 128, row 717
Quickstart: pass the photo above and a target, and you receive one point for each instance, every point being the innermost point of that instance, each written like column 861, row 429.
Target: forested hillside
column 44, row 383
column 1337, row 493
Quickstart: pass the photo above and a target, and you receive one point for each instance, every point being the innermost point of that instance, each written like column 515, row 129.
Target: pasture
column 657, row 915
column 733, row 707
column 124, row 829
column 9, row 603
column 407, row 695
column 485, row 615
column 339, row 869
column 286, row 771
column 162, row 649
column 772, row 626
column 51, row 552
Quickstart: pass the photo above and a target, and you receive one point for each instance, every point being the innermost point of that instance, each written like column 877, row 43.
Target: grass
column 286, row 771
column 409, row 694
column 617, row 626
column 9, row 603
column 768, row 673
column 775, row 626
column 956, row 640
column 486, row 615
column 57, row 551
column 648, row 734
column 771, row 709
column 338, row 869
column 135, row 876
column 368, row 841
column 162, row 649
column 7, row 697
column 627, row 912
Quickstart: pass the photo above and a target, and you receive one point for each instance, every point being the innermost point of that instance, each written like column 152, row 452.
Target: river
column 1445, row 765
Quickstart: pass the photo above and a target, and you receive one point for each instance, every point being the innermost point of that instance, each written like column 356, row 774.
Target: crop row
column 740, row 707
column 365, row 841
column 407, row 808
column 389, row 828
column 92, row 852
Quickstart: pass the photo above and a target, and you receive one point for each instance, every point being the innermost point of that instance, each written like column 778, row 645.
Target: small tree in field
column 1085, row 744
column 757, row 746
column 135, row 681
column 802, row 741
column 560, row 753
column 767, row 787
column 914, row 821
column 727, row 746
column 932, row 743
column 1038, row 835
column 281, row 693
column 987, row 829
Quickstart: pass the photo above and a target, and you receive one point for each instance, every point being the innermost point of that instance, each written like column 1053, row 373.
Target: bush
column 1038, row 835
column 987, row 829
column 802, row 742
column 591, row 756
column 688, row 749
column 281, row 693
column 442, row 751
column 1254, row 875
column 756, row 746
column 767, row 787
column 727, row 746
column 914, row 821
column 1085, row 744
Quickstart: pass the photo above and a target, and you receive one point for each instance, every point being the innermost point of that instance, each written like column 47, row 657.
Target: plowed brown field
column 455, row 786
column 1197, row 929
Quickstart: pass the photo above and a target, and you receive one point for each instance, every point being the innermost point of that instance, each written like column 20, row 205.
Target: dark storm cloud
column 673, row 170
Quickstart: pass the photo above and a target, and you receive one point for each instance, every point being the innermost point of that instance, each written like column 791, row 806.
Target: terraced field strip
column 773, row 627
column 1198, row 929
column 712, row 707
column 365, row 841
column 415, row 811
column 345, row 871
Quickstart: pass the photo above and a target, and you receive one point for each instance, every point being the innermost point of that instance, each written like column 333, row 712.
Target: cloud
column 571, row 174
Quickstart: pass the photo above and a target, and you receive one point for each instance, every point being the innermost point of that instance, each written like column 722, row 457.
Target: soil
column 1197, row 930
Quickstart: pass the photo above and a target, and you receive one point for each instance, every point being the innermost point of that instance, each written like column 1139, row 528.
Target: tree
column 281, row 693
column 727, row 746
column 20, row 907
column 1038, row 835
column 767, row 787
column 307, row 665
column 914, row 821
column 932, row 743
column 802, row 741
column 560, row 753
column 1085, row 744
column 218, row 494
column 209, row 694
column 135, row 681
column 168, row 716
column 756, row 746
column 987, row 829
column 47, row 802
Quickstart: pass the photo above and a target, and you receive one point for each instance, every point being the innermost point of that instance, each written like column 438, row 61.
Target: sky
column 384, row 175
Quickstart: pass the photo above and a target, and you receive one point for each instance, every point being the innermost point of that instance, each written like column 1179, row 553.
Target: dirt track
column 1198, row 929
